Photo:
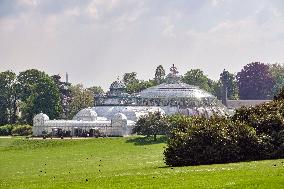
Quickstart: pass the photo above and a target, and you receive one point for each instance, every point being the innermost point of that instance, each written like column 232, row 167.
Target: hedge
column 22, row 130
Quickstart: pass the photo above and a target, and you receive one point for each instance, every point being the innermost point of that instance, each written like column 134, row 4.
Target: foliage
column 138, row 86
column 159, row 74
column 229, row 81
column 196, row 77
column 280, row 95
column 96, row 90
column 65, row 95
column 8, row 97
column 129, row 78
column 80, row 98
column 22, row 130
column 267, row 120
column 44, row 98
column 6, row 130
column 27, row 80
column 214, row 140
column 151, row 124
column 277, row 72
column 134, row 85
column 255, row 82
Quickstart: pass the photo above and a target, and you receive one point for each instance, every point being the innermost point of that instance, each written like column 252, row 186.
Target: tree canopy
column 255, row 82
column 151, row 124
column 80, row 98
column 197, row 77
column 44, row 97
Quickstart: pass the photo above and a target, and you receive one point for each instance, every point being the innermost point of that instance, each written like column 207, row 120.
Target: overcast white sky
column 97, row 40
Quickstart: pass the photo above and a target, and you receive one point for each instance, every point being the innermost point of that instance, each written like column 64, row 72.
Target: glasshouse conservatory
column 115, row 112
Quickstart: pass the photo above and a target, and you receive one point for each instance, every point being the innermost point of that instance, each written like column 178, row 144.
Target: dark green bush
column 267, row 119
column 22, row 130
column 214, row 140
column 6, row 130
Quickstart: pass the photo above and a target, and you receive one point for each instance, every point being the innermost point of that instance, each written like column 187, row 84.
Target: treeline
column 256, row 81
column 32, row 91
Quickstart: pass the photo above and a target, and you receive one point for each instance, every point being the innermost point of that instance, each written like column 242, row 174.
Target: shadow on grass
column 147, row 140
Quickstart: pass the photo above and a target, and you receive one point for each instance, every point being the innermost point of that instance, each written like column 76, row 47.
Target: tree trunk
column 155, row 137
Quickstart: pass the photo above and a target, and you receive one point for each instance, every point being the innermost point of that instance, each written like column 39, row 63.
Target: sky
column 95, row 41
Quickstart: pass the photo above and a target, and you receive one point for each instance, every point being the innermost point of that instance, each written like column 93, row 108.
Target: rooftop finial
column 173, row 69
column 66, row 77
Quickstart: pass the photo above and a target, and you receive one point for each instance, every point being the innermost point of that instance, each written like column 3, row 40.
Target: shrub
column 22, row 130
column 214, row 140
column 6, row 130
column 267, row 119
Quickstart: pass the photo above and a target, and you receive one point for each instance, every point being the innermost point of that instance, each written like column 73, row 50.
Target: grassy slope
column 120, row 163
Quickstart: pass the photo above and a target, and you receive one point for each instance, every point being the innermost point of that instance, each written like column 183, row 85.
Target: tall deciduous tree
column 45, row 97
column 65, row 94
column 197, row 77
column 229, row 81
column 159, row 74
column 38, row 93
column 129, row 78
column 255, row 82
column 8, row 97
column 27, row 80
column 80, row 98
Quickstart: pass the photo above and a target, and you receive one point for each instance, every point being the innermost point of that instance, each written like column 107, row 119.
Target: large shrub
column 267, row 119
column 22, row 130
column 214, row 140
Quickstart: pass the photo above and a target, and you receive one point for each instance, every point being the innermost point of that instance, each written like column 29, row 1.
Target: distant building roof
column 235, row 104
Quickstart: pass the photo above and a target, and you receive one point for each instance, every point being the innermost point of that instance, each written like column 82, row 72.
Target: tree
column 65, row 94
column 196, row 77
column 45, row 97
column 255, row 82
column 277, row 72
column 96, row 90
column 129, row 78
column 80, row 98
column 159, row 74
column 134, row 85
column 151, row 124
column 138, row 86
column 229, row 82
column 8, row 98
column 27, row 79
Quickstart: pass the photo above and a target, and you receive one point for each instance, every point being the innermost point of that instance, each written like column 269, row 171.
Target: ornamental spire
column 173, row 69
column 173, row 77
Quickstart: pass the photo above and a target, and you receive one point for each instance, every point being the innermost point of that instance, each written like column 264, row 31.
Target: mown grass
column 120, row 163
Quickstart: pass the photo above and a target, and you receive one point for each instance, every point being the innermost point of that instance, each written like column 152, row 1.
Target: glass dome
column 174, row 92
column 86, row 114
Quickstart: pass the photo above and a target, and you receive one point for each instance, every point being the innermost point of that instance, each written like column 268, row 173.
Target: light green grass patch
column 120, row 163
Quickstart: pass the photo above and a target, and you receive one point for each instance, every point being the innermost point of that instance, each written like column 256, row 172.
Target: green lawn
column 120, row 163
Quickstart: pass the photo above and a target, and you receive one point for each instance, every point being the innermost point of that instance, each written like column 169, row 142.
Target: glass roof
column 175, row 90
